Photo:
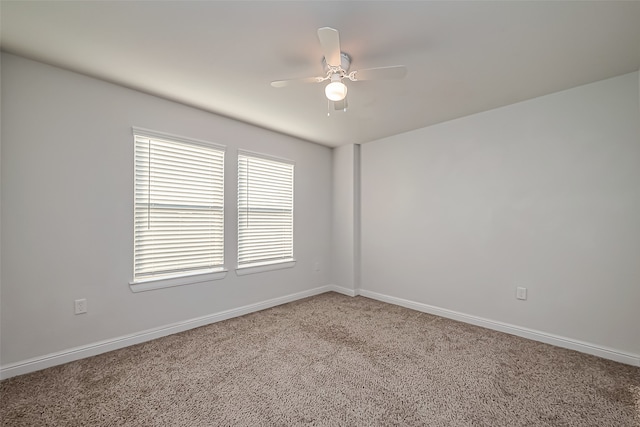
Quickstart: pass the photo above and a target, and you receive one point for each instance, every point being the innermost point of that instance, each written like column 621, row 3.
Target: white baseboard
column 65, row 356
column 344, row 291
column 583, row 347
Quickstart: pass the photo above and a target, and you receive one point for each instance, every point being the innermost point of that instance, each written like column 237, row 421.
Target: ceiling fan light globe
column 336, row 91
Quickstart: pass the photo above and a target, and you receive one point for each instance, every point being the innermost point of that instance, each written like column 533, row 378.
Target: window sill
column 259, row 268
column 170, row 282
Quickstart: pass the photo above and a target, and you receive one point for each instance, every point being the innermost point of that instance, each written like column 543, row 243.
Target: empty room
column 345, row 213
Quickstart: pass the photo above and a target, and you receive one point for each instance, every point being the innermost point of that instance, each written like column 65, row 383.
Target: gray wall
column 543, row 194
column 67, row 212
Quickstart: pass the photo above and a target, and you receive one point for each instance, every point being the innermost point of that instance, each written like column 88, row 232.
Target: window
column 178, row 209
column 265, row 211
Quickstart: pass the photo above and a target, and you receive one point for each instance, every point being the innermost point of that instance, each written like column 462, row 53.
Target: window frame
column 262, row 266
column 217, row 272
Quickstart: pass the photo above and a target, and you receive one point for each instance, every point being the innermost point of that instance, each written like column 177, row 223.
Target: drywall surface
column 542, row 194
column 67, row 212
column 343, row 261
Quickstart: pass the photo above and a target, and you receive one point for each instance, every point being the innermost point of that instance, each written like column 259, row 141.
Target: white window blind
column 265, row 210
column 179, row 207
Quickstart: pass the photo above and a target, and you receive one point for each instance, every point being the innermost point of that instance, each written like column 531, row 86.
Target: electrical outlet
column 521, row 293
column 80, row 306
column 316, row 266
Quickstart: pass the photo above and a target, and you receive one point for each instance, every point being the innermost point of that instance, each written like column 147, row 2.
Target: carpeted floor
column 330, row 360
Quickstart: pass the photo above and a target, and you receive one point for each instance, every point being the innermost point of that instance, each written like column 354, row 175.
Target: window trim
column 177, row 138
column 189, row 277
column 184, row 279
column 263, row 266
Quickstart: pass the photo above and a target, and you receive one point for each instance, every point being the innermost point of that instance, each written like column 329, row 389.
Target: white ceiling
column 463, row 57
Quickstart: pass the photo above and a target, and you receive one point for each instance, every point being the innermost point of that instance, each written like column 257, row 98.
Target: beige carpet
column 330, row 360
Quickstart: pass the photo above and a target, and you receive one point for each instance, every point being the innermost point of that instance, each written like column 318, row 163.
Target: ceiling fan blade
column 293, row 82
column 330, row 43
column 381, row 73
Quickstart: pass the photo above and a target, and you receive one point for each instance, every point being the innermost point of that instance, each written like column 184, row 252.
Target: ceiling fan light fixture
column 336, row 91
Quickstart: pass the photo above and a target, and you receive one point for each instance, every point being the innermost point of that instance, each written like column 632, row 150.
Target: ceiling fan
column 336, row 66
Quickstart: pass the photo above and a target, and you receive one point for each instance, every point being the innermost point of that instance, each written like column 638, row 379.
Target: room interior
column 509, row 157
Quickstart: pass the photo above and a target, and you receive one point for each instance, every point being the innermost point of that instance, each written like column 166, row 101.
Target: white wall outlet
column 316, row 266
column 521, row 293
column 80, row 306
